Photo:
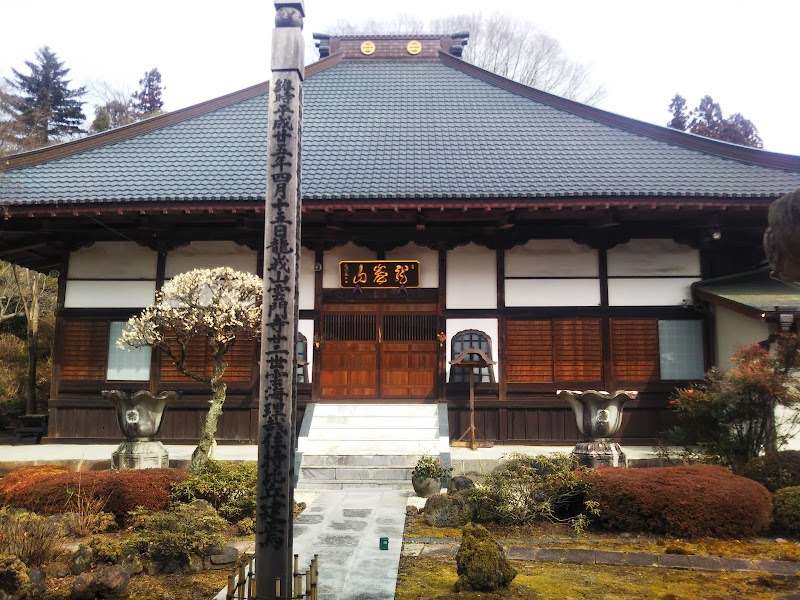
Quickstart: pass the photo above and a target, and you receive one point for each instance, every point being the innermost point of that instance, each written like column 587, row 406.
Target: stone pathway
column 344, row 528
column 414, row 547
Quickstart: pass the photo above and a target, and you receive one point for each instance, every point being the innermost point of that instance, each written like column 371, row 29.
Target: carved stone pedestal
column 140, row 455
column 599, row 454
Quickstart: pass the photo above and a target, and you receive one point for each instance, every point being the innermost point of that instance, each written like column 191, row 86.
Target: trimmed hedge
column 230, row 487
column 693, row 501
column 22, row 476
column 124, row 490
column 775, row 471
column 787, row 508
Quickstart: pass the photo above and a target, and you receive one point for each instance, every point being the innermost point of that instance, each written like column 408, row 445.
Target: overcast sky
column 743, row 53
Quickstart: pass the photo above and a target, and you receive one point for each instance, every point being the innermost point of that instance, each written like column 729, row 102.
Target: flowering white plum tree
column 212, row 304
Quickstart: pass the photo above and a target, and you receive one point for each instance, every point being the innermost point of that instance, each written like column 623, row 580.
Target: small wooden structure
column 242, row 582
column 472, row 358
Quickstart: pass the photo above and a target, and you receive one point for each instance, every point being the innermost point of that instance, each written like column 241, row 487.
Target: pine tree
column 707, row 120
column 147, row 100
column 45, row 106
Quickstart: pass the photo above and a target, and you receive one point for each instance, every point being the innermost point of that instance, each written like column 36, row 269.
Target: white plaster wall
column 674, row 291
column 551, row 258
column 109, row 294
column 113, row 260
column 471, row 277
column 487, row 326
column 331, row 258
column 306, row 279
column 552, row 292
column 428, row 262
column 306, row 327
column 653, row 257
column 734, row 330
column 210, row 255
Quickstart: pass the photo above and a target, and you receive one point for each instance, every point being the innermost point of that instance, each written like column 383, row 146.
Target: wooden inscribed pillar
column 278, row 394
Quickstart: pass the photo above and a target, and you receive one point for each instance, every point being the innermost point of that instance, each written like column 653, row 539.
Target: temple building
column 443, row 208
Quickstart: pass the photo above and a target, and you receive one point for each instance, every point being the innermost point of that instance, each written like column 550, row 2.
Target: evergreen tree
column 45, row 106
column 147, row 100
column 707, row 120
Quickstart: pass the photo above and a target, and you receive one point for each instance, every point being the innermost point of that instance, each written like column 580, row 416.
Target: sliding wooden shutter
column 551, row 351
column 577, row 350
column 634, row 349
column 85, row 350
column 241, row 361
column 529, row 351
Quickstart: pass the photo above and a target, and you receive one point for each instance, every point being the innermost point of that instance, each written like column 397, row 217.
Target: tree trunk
column 207, row 442
column 33, row 355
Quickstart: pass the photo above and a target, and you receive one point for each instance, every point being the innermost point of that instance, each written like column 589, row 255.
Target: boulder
column 448, row 510
column 481, row 563
column 225, row 558
column 108, row 583
column 57, row 569
column 13, row 575
column 131, row 560
column 81, row 560
column 458, row 484
column 36, row 585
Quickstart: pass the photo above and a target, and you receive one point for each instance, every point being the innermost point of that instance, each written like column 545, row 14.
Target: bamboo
column 231, row 588
column 277, row 588
column 308, row 585
column 240, row 586
column 298, row 579
column 251, row 580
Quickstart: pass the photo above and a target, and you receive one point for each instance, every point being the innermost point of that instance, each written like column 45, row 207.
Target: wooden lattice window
column 634, row 349
column 553, row 350
column 302, row 359
column 84, row 348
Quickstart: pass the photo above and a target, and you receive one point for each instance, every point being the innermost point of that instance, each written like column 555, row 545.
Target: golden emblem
column 414, row 47
column 368, row 48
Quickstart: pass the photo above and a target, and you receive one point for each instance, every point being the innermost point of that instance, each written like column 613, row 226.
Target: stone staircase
column 368, row 445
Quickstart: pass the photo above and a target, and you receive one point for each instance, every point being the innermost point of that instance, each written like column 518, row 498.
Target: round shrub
column 775, row 471
column 122, row 491
column 229, row 486
column 692, row 501
column 481, row 563
column 23, row 476
column 786, row 508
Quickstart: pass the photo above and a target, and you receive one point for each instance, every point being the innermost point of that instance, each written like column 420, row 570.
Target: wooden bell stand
column 472, row 358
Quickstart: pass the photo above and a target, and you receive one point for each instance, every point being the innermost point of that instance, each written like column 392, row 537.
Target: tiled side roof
column 396, row 129
column 755, row 291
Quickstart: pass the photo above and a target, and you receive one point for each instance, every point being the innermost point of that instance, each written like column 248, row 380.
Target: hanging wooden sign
column 379, row 274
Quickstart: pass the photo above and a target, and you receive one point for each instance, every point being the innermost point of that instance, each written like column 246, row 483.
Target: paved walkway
column 416, row 547
column 344, row 529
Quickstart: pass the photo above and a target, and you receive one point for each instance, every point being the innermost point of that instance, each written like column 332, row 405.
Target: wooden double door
column 379, row 351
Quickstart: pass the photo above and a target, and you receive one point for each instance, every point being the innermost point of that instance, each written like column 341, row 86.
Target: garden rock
column 225, row 558
column 459, row 483
column 481, row 563
column 13, row 576
column 36, row 585
column 195, row 564
column 57, row 569
column 446, row 510
column 131, row 561
column 81, row 560
column 108, row 583
column 412, row 511
column 203, row 506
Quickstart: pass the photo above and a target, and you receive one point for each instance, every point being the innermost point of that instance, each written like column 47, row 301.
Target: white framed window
column 131, row 364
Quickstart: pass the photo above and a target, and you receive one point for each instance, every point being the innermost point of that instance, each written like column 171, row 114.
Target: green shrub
column 430, row 467
column 106, row 550
column 230, row 487
column 29, row 537
column 448, row 510
column 179, row 532
column 693, row 501
column 775, row 471
column 246, row 526
column 527, row 488
column 786, row 508
column 122, row 491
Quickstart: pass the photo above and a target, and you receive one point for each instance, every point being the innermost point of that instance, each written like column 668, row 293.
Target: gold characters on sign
column 414, row 47
column 367, row 48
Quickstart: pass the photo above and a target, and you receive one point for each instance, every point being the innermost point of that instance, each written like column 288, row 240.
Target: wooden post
column 278, row 393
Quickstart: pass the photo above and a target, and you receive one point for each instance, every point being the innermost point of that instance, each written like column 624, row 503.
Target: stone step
column 373, row 433
column 368, row 447
column 350, row 473
column 360, row 460
column 365, row 422
column 312, row 484
column 376, row 410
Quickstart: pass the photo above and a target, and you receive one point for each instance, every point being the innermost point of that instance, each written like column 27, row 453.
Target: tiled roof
column 756, row 291
column 398, row 129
